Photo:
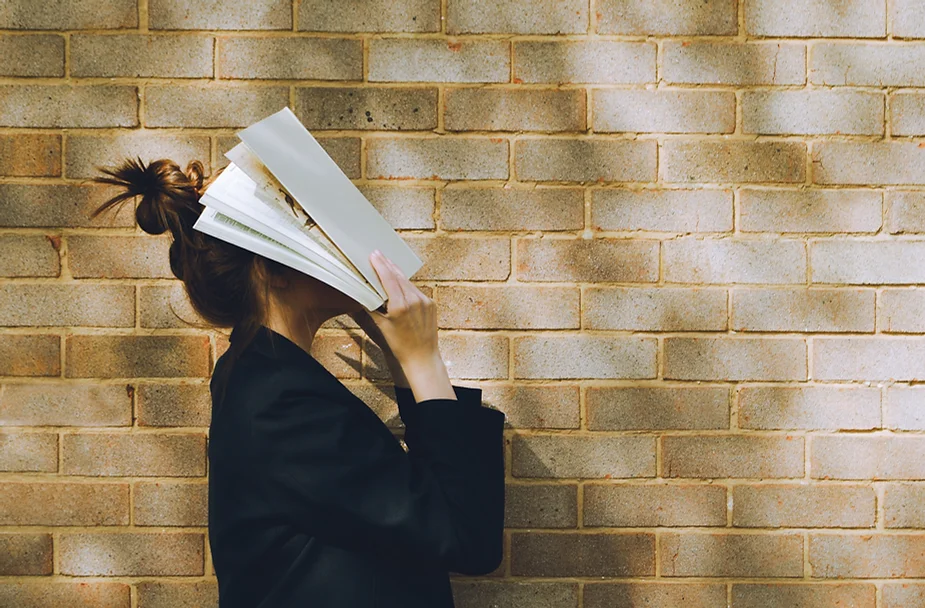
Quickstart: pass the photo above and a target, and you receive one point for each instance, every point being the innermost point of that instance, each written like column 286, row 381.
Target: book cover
column 283, row 197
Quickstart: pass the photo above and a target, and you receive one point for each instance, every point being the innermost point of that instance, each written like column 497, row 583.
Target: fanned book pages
column 284, row 198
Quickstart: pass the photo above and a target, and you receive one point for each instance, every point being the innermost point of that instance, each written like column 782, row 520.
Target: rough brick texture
column 680, row 243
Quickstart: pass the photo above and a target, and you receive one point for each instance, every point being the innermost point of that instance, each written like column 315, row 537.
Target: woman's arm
column 340, row 476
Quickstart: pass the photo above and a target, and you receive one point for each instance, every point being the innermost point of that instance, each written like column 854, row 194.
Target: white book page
column 326, row 194
column 272, row 192
column 235, row 195
column 222, row 227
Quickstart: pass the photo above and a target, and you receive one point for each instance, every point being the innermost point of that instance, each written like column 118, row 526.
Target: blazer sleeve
column 339, row 473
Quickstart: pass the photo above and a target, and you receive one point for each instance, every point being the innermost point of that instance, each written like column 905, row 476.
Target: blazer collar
column 273, row 345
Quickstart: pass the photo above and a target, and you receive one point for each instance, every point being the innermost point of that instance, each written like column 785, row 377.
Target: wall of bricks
column 679, row 243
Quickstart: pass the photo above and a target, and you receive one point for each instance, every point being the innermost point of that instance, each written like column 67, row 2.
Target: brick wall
column 677, row 242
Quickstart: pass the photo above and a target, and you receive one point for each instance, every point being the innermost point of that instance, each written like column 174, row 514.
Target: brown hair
column 223, row 281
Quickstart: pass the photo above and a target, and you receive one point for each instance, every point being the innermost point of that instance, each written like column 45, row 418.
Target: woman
column 312, row 499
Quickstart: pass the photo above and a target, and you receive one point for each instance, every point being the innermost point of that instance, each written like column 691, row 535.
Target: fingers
column 410, row 290
column 390, row 276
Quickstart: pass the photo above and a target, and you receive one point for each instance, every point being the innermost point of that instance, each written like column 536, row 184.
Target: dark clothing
column 313, row 502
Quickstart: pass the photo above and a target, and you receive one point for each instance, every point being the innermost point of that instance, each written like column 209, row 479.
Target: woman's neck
column 298, row 328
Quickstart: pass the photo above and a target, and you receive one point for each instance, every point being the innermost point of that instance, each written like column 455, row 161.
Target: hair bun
column 194, row 172
column 168, row 195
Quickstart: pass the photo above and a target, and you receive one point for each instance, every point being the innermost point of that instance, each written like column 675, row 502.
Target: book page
column 326, row 194
column 235, row 195
column 274, row 194
column 216, row 224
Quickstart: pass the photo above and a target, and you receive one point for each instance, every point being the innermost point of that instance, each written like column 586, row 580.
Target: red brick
column 29, row 256
column 868, row 457
column 369, row 16
column 678, row 211
column 903, row 408
column 732, row 161
column 731, row 555
column 68, row 106
column 661, row 594
column 732, row 456
column 803, row 506
column 655, row 308
column 653, row 408
column 585, row 160
column 584, row 356
column 902, row 505
column 28, row 155
column 59, row 14
column 513, row 593
column 443, row 158
column 25, row 305
column 64, row 504
column 28, row 452
column 30, row 355
column 545, row 406
column 587, row 260
column 584, row 61
column 574, row 456
column 809, row 408
column 38, row 594
column 25, row 554
column 517, row 17
column 131, row 554
column 119, row 257
column 168, row 503
column 659, row 111
column 600, row 555
column 724, row 359
column 57, row 404
column 503, row 307
column 541, row 506
column 548, row 209
column 133, row 454
column 867, row 555
column 220, row 15
column 156, row 594
column 173, row 404
column 646, row 506
column 458, row 258
column 98, row 356
column 803, row 595
column 483, row 109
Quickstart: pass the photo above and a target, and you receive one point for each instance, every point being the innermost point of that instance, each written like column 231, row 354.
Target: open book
column 284, row 198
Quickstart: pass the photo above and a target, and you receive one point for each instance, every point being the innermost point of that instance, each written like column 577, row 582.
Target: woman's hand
column 366, row 322
column 409, row 327
column 409, row 330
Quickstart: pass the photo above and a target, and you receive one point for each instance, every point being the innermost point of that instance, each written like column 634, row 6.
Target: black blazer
column 313, row 502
